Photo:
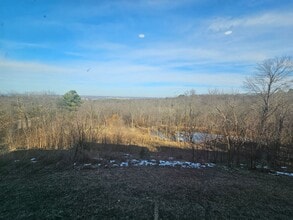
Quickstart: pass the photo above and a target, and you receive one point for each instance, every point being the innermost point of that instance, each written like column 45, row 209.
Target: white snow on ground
column 211, row 164
column 142, row 163
column 87, row 165
column 153, row 162
column 284, row 173
column 124, row 164
column 161, row 163
column 183, row 164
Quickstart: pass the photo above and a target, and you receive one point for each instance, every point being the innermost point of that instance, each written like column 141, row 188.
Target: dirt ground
column 55, row 191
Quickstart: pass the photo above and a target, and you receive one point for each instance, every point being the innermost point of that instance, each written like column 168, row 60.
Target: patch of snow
column 89, row 166
column 124, row 164
column 33, row 160
column 211, row 165
column 152, row 162
column 134, row 161
column 145, row 163
column 283, row 168
column 164, row 163
column 183, row 164
column 15, row 161
column 284, row 173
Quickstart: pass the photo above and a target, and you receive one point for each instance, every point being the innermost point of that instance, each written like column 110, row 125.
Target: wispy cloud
column 271, row 19
column 21, row 45
column 8, row 66
column 177, row 55
column 92, row 45
column 121, row 74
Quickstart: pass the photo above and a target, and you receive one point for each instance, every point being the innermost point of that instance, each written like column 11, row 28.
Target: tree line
column 255, row 126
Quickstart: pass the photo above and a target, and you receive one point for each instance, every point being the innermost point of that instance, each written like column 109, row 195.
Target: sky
column 139, row 48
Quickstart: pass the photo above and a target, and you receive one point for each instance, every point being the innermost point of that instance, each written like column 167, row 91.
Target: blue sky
column 151, row 48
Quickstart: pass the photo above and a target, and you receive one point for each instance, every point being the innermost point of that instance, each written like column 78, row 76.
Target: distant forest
column 255, row 127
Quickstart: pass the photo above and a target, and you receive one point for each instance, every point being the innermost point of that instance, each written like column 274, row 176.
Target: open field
column 52, row 188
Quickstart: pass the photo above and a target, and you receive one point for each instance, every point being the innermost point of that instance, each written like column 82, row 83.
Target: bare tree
column 271, row 77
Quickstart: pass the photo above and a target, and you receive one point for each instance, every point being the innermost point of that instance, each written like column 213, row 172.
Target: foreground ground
column 39, row 191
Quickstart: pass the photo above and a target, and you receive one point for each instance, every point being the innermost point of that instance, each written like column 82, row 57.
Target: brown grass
column 135, row 136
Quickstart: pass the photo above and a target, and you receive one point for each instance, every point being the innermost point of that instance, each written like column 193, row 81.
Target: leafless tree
column 271, row 77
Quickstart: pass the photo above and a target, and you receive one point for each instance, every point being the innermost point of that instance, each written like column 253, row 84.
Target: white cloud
column 21, row 45
column 141, row 35
column 228, row 32
column 93, row 45
column 23, row 67
column 111, row 73
column 114, row 77
column 178, row 54
column 277, row 19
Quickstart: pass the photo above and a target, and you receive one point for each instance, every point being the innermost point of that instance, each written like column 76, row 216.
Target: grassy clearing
column 52, row 189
